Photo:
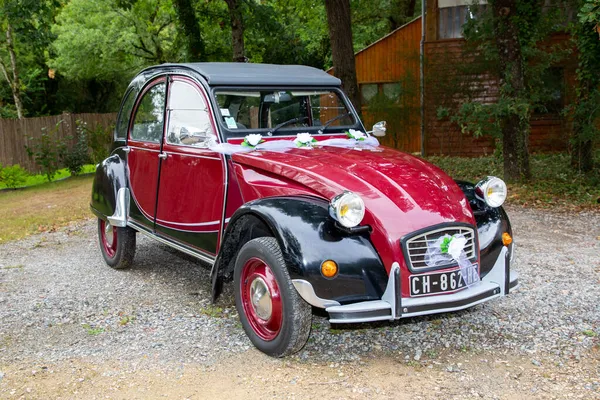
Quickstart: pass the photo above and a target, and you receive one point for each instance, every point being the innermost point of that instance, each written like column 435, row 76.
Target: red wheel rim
column 261, row 299
column 108, row 238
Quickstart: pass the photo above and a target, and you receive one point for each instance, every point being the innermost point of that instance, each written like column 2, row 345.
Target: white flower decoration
column 253, row 139
column 356, row 135
column 304, row 138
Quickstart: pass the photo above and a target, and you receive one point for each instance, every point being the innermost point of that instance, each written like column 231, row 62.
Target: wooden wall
column 15, row 134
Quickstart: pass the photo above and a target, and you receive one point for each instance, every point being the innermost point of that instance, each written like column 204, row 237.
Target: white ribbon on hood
column 282, row 145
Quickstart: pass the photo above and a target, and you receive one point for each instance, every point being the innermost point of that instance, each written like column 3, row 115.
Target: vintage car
column 267, row 174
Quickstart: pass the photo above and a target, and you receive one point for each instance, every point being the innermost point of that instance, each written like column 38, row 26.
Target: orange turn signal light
column 506, row 239
column 329, row 269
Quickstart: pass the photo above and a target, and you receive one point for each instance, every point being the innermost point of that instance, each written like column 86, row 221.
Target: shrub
column 46, row 150
column 99, row 141
column 77, row 156
column 13, row 176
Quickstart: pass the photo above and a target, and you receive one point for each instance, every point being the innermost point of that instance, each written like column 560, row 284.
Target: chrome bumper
column 497, row 283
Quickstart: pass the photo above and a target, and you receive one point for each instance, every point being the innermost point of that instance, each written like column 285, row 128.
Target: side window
column 189, row 120
column 125, row 114
column 149, row 117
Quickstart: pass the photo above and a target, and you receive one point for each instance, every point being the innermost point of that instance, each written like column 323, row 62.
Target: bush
column 99, row 141
column 46, row 151
column 77, row 156
column 13, row 176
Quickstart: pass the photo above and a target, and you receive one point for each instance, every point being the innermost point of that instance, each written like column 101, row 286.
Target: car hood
column 402, row 193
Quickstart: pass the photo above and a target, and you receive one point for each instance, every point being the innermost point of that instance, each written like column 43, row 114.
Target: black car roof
column 223, row 73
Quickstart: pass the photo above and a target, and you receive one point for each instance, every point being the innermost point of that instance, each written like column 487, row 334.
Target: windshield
column 282, row 112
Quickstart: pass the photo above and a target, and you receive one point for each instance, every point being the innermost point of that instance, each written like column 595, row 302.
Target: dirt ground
column 255, row 376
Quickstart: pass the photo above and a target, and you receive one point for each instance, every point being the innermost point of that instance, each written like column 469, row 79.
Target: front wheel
column 276, row 319
column 117, row 244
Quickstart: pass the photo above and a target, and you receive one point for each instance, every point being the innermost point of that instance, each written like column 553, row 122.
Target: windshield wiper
column 285, row 123
column 332, row 120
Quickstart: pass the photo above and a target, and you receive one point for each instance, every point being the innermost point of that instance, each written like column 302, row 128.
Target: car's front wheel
column 117, row 244
column 276, row 319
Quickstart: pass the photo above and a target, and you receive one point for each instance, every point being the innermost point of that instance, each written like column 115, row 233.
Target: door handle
column 163, row 156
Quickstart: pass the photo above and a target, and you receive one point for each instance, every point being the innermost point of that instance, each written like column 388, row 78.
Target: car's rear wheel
column 276, row 319
column 117, row 244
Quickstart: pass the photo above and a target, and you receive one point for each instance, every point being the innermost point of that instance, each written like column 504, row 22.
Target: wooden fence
column 15, row 134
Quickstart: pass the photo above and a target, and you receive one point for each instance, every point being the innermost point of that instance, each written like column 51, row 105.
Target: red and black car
column 267, row 174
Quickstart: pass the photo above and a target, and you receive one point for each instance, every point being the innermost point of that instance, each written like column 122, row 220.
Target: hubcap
column 108, row 234
column 261, row 299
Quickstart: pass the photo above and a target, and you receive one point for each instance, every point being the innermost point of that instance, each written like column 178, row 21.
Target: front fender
column 111, row 175
column 308, row 236
column 491, row 224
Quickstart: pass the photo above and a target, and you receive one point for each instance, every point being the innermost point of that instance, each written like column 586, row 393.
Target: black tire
column 119, row 252
column 295, row 314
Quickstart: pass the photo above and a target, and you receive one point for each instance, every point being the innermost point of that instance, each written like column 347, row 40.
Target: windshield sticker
column 230, row 121
column 225, row 112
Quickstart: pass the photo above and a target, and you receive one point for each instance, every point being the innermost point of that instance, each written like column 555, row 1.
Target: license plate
column 443, row 282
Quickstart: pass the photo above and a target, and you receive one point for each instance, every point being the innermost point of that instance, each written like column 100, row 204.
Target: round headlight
column 492, row 190
column 348, row 209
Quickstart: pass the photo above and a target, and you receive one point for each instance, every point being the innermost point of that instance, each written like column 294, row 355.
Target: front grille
column 415, row 247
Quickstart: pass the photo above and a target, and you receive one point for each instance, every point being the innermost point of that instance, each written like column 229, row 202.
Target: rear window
column 125, row 114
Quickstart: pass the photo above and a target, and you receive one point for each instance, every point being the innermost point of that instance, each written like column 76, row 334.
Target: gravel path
column 58, row 301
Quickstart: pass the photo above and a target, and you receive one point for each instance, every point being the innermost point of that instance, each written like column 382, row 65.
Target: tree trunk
column 237, row 29
column 191, row 28
column 515, row 127
column 342, row 51
column 13, row 81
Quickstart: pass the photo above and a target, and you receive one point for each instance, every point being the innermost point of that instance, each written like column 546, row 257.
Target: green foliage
column 13, row 176
column 585, row 111
column 106, row 39
column 556, row 183
column 46, row 151
column 77, row 155
column 30, row 21
column 99, row 141
column 63, row 173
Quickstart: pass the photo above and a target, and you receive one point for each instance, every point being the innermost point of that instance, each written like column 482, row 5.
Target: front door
column 144, row 149
column 192, row 177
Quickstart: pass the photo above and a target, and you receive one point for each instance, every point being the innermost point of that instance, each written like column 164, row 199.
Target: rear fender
column 307, row 236
column 110, row 193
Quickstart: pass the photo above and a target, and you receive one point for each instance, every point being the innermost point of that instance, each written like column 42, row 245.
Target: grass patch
column 554, row 183
column 34, row 180
column 92, row 331
column 44, row 207
column 212, row 311
column 19, row 266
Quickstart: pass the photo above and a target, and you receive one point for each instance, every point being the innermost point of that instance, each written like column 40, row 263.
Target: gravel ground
column 58, row 301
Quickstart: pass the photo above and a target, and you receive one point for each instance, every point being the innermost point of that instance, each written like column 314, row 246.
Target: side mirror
column 379, row 129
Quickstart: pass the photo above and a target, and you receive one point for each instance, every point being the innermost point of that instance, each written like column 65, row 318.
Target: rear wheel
column 116, row 244
column 276, row 319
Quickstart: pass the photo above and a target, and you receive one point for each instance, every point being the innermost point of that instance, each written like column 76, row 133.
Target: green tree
column 24, row 39
column 107, row 39
column 508, row 41
column 189, row 21
column 586, row 109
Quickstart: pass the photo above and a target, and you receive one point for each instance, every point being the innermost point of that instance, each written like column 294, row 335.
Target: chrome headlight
column 348, row 209
column 492, row 190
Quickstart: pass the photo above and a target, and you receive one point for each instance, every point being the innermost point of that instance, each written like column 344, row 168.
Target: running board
column 184, row 249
